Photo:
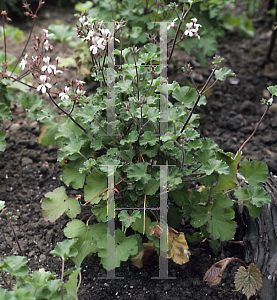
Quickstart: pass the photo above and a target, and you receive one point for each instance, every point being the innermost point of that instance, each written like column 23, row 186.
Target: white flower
column 65, row 94
column 47, row 46
column 44, row 85
column 47, row 35
column 192, row 28
column 83, row 21
column 190, row 1
column 94, row 47
column 172, row 24
column 80, row 82
column 47, row 66
column 24, row 62
column 79, row 92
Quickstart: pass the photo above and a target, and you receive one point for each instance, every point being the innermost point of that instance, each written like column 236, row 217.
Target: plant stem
column 16, row 238
column 67, row 114
column 200, row 93
column 178, row 29
column 241, row 147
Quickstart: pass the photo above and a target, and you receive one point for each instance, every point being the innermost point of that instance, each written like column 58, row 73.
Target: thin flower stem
column 200, row 93
column 184, row 13
column 106, row 131
column 241, row 147
column 66, row 113
column 24, row 49
column 5, row 42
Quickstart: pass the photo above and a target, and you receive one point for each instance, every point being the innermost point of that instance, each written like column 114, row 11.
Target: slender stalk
column 200, row 93
column 26, row 44
column 5, row 42
column 241, row 147
column 16, row 238
column 184, row 13
column 67, row 114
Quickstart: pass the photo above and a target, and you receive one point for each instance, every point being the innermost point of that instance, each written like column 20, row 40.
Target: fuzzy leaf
column 255, row 194
column 249, row 281
column 221, row 224
column 138, row 172
column 255, row 172
column 15, row 265
column 228, row 181
column 95, row 184
column 100, row 211
column 213, row 165
column 124, row 247
column 222, row 73
column 273, row 90
column 65, row 249
column 56, row 203
column 126, row 219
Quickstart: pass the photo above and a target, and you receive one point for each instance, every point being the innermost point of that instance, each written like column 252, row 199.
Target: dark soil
column 29, row 170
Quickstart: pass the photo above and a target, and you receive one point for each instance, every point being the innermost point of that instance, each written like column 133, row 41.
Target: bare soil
column 29, row 170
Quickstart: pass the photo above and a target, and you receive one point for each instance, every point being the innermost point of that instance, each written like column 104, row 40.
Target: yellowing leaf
column 147, row 251
column 179, row 250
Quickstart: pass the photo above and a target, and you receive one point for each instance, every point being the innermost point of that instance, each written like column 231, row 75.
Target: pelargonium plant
column 133, row 148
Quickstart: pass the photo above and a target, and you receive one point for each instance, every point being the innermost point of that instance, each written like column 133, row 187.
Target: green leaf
column 138, row 172
column 221, row 225
column 273, row 90
column 82, row 7
column 65, row 249
column 15, row 265
column 87, row 113
column 139, row 223
column 255, row 172
column 72, row 284
column 100, row 211
column 249, row 281
column 56, row 203
column 70, row 149
column 39, row 278
column 222, row 73
column 255, row 194
column 125, row 86
column 229, row 181
column 61, row 32
column 2, row 141
column 128, row 219
column 124, row 248
column 96, row 183
column 213, row 165
column 148, row 138
column 5, row 112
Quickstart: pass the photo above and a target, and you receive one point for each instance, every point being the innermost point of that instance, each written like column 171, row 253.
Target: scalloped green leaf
column 138, row 172
column 254, row 194
column 229, row 181
column 255, row 172
column 15, row 265
column 57, row 202
column 65, row 249
column 96, row 183
column 128, row 219
column 273, row 90
column 222, row 73
column 214, row 165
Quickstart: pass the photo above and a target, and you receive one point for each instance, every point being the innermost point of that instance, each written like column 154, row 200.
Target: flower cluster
column 95, row 34
column 40, row 64
column 191, row 28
